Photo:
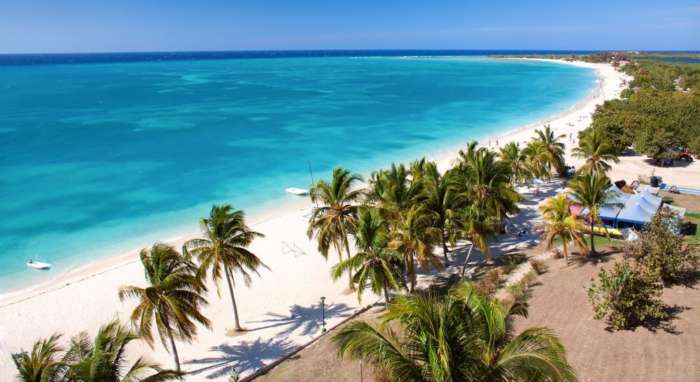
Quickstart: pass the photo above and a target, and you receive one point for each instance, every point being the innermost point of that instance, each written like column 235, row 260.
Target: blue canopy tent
column 638, row 210
column 608, row 213
column 613, row 205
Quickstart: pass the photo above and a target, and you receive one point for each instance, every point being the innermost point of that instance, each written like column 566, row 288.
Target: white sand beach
column 280, row 308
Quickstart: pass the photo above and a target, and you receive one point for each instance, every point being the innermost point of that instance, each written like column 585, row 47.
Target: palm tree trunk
column 175, row 355
column 443, row 235
column 592, row 239
column 233, row 298
column 386, row 293
column 566, row 251
column 350, row 275
column 172, row 342
column 466, row 261
column 411, row 272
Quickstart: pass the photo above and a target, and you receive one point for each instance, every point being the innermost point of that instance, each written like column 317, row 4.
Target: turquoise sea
column 101, row 157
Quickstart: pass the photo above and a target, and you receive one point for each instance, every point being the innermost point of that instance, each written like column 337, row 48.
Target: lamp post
column 323, row 314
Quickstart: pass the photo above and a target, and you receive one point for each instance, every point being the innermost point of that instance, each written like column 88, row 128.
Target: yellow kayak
column 603, row 231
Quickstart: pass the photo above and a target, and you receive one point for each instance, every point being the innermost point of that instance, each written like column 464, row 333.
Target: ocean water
column 102, row 157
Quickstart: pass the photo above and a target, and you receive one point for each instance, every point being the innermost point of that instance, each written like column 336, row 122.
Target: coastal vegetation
column 596, row 152
column 658, row 114
column 463, row 336
column 172, row 300
column 101, row 359
column 662, row 253
column 376, row 265
column 224, row 248
column 408, row 211
column 335, row 217
column 591, row 190
column 627, row 296
column 561, row 225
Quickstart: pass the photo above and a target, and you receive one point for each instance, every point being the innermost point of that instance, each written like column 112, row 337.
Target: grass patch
column 599, row 240
column 694, row 218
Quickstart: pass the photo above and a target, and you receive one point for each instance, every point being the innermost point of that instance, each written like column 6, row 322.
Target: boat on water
column 38, row 264
column 297, row 191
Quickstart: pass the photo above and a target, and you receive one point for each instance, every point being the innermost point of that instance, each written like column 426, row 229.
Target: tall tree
column 538, row 159
column 591, row 190
column 596, row 151
column 441, row 197
column 172, row 299
column 477, row 226
column 553, row 146
column 42, row 363
column 224, row 248
column 103, row 359
column 414, row 239
column 560, row 224
column 487, row 182
column 335, row 219
column 516, row 159
column 462, row 337
column 395, row 191
column 375, row 264
column 536, row 354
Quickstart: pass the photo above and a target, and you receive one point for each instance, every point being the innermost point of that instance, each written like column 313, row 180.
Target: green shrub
column 627, row 296
column 519, row 290
column 662, row 251
column 510, row 262
column 489, row 283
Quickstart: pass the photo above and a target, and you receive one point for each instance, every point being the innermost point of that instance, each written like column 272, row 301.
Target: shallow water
column 103, row 157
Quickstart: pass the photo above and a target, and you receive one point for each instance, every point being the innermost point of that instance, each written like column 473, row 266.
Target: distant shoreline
column 117, row 57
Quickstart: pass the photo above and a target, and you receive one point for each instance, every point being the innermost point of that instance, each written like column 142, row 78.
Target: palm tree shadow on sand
column 241, row 357
column 307, row 320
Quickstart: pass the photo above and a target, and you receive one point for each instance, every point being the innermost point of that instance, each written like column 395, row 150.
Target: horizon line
column 352, row 50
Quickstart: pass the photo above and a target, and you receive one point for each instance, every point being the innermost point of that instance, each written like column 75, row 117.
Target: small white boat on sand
column 297, row 191
column 38, row 265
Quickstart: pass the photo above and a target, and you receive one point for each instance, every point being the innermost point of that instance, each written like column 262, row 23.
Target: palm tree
column 477, row 226
column 596, row 151
column 554, row 148
column 517, row 162
column 375, row 264
column 432, row 345
column 224, row 248
column 538, row 159
column 441, row 197
column 467, row 155
column 414, row 239
column 99, row 360
column 591, row 190
column 561, row 224
column 417, row 169
column 42, row 363
column 396, row 190
column 462, row 337
column 335, row 219
column 536, row 354
column 103, row 359
column 487, row 182
column 172, row 300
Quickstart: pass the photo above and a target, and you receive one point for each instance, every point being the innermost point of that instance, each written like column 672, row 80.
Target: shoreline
column 281, row 308
column 443, row 157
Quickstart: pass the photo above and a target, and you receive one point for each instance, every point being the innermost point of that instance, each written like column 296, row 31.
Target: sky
column 52, row 26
